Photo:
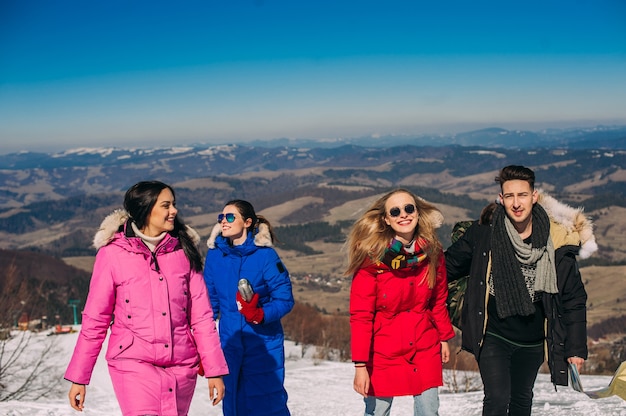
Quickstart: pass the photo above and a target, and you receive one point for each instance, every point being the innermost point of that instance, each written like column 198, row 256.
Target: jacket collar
column 262, row 238
column 117, row 221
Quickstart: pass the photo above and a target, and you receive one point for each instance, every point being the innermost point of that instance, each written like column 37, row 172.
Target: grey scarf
column 509, row 252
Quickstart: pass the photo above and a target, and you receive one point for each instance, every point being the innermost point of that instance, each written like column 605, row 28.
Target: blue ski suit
column 254, row 353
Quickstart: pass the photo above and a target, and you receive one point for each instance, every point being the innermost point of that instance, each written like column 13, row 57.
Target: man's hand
column 578, row 361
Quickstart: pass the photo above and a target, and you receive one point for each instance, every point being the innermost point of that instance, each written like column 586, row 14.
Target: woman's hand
column 361, row 380
column 216, row 389
column 445, row 352
column 77, row 396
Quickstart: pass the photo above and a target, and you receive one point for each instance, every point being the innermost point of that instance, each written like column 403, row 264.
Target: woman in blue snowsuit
column 240, row 246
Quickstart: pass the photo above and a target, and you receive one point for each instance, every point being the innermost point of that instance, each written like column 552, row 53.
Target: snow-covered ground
column 315, row 388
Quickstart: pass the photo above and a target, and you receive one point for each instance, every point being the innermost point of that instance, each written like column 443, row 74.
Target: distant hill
column 39, row 285
column 606, row 137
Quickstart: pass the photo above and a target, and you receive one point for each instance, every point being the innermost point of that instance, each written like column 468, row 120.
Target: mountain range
column 42, row 192
column 51, row 204
column 28, row 177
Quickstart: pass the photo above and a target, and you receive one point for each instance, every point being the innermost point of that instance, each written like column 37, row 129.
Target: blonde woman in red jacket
column 398, row 316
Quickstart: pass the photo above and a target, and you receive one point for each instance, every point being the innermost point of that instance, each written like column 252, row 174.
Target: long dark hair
column 139, row 201
column 247, row 211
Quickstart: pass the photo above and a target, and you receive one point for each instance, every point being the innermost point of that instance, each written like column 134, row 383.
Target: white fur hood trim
column 436, row 218
column 573, row 220
column 262, row 239
column 109, row 227
column 112, row 222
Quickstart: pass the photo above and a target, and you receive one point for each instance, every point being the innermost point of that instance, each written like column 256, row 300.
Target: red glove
column 250, row 310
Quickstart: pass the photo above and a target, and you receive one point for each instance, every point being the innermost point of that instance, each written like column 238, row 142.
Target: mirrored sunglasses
column 408, row 208
column 229, row 217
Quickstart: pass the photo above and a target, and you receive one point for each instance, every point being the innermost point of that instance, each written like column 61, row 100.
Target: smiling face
column 518, row 199
column 405, row 223
column 162, row 216
column 236, row 231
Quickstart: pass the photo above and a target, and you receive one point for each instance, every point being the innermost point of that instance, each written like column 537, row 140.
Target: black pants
column 508, row 372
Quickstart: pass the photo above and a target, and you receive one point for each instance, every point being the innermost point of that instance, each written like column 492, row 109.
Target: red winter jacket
column 397, row 326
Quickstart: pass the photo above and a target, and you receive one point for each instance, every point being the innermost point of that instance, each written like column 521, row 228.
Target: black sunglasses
column 229, row 217
column 408, row 208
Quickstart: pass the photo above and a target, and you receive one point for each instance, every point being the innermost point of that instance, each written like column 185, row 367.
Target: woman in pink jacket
column 147, row 287
column 398, row 316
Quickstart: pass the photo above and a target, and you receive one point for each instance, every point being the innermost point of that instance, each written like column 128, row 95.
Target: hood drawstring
column 155, row 262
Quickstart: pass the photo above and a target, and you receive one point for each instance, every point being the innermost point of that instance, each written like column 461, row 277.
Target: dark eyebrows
column 510, row 194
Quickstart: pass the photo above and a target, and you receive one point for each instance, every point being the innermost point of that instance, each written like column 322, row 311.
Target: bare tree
column 27, row 368
column 334, row 340
column 461, row 373
column 330, row 334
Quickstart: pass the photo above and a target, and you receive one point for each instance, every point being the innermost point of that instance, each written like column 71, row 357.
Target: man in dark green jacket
column 524, row 290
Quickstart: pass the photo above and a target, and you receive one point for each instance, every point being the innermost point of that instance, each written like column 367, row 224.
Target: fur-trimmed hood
column 112, row 223
column 262, row 238
column 435, row 217
column 570, row 225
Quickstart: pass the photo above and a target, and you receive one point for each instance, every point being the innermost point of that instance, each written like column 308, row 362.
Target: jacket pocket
column 118, row 344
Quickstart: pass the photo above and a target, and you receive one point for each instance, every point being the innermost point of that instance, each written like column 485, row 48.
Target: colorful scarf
column 396, row 257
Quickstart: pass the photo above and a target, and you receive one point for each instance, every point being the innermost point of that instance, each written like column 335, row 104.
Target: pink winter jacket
column 156, row 306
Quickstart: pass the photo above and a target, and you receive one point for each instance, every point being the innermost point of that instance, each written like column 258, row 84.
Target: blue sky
column 138, row 73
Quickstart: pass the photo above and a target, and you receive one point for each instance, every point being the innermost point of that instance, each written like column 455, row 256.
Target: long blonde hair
column 370, row 234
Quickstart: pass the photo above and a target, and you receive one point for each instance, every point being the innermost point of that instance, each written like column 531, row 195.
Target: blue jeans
column 425, row 404
column 508, row 372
